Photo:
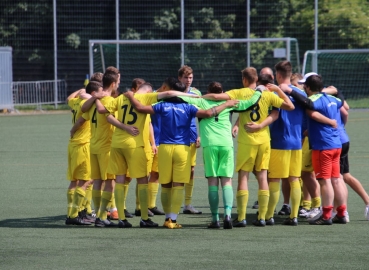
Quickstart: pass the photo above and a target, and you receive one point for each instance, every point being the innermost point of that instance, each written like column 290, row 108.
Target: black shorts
column 344, row 162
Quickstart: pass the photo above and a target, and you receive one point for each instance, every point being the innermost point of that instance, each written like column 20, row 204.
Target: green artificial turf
column 33, row 163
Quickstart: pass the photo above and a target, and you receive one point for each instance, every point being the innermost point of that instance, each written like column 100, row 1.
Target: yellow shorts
column 99, row 166
column 123, row 158
column 155, row 163
column 174, row 163
column 250, row 157
column 79, row 167
column 284, row 163
column 149, row 157
column 193, row 150
column 307, row 164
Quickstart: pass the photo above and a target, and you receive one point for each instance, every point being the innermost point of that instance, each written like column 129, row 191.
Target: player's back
column 286, row 131
column 101, row 129
column 257, row 114
column 82, row 135
column 175, row 122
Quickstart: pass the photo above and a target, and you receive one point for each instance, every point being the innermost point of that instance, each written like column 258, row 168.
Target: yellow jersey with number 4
column 257, row 114
column 82, row 135
column 129, row 116
column 101, row 129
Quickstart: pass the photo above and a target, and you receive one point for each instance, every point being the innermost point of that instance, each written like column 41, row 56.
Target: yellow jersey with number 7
column 129, row 116
column 256, row 114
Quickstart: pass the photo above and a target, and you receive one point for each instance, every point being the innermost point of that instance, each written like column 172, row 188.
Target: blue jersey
column 156, row 122
column 193, row 132
column 322, row 136
column 286, row 131
column 175, row 122
column 341, row 127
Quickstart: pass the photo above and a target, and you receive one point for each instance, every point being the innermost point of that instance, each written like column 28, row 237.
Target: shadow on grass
column 38, row 222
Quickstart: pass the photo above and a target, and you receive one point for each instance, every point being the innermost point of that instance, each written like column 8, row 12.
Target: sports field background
column 33, row 162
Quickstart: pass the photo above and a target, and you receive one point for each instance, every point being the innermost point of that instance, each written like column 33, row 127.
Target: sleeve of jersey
column 232, row 94
column 193, row 110
column 244, row 105
column 157, row 108
column 194, row 101
column 71, row 102
column 111, row 107
column 86, row 115
column 302, row 100
column 147, row 99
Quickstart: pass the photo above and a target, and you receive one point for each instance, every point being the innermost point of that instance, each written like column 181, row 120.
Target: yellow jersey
column 82, row 135
column 101, row 129
column 129, row 116
column 257, row 114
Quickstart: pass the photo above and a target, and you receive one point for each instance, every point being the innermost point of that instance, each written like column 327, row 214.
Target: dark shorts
column 344, row 161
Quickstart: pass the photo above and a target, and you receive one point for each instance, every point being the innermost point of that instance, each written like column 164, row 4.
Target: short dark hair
column 170, row 82
column 178, row 86
column 215, row 87
column 97, row 77
column 112, row 70
column 264, row 79
column 315, row 83
column 109, row 78
column 92, row 86
column 136, row 82
column 284, row 68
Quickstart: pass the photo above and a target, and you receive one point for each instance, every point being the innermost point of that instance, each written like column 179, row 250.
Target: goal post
column 211, row 59
column 348, row 70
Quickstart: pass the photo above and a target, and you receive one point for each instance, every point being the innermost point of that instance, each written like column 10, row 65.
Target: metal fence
column 39, row 93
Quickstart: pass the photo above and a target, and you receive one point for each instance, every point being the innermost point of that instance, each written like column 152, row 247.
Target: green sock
column 227, row 200
column 213, row 197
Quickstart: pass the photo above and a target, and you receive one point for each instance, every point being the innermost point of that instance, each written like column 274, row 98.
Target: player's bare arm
column 138, row 105
column 152, row 139
column 77, row 125
column 74, row 94
column 317, row 116
column 130, row 129
column 287, row 103
column 254, row 127
column 214, row 111
column 91, row 100
column 235, row 128
column 100, row 108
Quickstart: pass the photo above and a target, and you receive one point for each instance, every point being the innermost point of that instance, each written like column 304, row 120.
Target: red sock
column 327, row 212
column 341, row 210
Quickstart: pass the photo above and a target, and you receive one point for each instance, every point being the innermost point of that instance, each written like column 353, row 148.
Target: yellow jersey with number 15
column 257, row 114
column 129, row 116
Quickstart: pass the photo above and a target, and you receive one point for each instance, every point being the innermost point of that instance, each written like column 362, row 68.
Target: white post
column 182, row 33
column 117, row 29
column 55, row 58
column 248, row 33
column 315, row 56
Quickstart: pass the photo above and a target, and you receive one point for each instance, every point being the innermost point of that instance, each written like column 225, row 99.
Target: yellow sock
column 153, row 192
column 112, row 204
column 126, row 188
column 70, row 193
column 166, row 199
column 306, row 204
column 78, row 197
column 106, row 198
column 119, row 200
column 316, row 202
column 242, row 200
column 188, row 192
column 302, row 192
column 177, row 198
column 142, row 190
column 96, row 197
column 274, row 193
column 263, row 199
column 88, row 199
column 138, row 206
column 295, row 196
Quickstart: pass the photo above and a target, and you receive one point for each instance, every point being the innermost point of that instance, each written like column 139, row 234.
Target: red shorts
column 326, row 163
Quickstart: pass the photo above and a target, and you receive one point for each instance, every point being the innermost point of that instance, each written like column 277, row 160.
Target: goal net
column 348, row 70
column 211, row 60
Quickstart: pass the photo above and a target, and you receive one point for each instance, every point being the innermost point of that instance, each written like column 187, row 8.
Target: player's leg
column 97, row 182
column 340, row 189
column 188, row 208
column 286, row 190
column 261, row 167
column 154, row 186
